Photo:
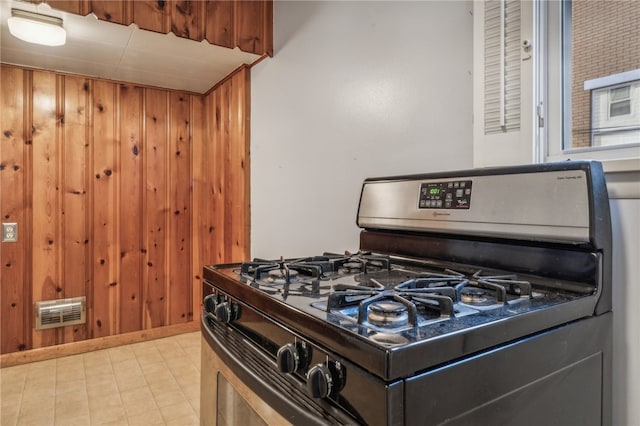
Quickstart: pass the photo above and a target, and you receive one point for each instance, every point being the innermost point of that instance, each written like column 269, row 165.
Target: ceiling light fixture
column 36, row 28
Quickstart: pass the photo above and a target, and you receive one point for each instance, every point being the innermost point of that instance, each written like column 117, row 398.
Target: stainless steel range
column 476, row 297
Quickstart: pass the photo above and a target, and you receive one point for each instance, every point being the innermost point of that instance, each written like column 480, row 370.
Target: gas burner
column 364, row 286
column 363, row 262
column 351, row 267
column 388, row 313
column 510, row 283
column 299, row 277
column 493, row 290
column 430, row 296
column 312, row 269
column 282, row 276
column 389, row 339
column 284, row 271
column 473, row 295
column 448, row 284
column 385, row 309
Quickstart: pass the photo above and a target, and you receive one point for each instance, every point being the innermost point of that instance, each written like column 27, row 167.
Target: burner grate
column 429, row 296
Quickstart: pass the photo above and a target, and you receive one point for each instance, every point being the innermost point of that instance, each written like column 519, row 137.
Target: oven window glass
column 232, row 409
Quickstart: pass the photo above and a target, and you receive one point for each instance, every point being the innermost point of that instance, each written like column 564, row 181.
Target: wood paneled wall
column 121, row 194
column 246, row 24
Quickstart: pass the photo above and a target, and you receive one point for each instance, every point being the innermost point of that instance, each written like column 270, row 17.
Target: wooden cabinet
column 247, row 25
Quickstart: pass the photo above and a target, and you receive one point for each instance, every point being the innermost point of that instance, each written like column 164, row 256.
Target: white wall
column 355, row 89
column 380, row 88
column 625, row 215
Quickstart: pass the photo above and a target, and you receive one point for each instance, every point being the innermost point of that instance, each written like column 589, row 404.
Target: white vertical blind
column 501, row 73
column 502, row 66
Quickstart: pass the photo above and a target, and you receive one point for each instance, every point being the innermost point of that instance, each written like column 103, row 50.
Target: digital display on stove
column 455, row 194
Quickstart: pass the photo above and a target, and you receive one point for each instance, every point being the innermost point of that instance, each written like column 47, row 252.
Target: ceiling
column 111, row 51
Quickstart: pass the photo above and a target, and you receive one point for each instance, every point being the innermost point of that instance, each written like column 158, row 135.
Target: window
column 589, row 84
column 615, row 114
column 619, row 101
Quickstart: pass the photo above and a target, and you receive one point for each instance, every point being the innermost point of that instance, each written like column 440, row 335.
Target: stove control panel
column 541, row 202
column 323, row 374
column 455, row 194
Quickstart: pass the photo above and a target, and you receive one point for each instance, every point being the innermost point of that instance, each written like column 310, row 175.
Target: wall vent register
column 60, row 312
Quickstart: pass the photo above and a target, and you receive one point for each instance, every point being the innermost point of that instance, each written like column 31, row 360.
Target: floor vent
column 60, row 312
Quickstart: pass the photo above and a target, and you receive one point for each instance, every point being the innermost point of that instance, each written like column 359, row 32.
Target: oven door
column 226, row 400
column 241, row 386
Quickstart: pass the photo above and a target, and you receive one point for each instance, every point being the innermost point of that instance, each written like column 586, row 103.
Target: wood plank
column 131, row 210
column 187, row 18
column 201, row 221
column 156, row 208
column 75, row 348
column 228, row 111
column 228, row 179
column 267, row 32
column 228, row 108
column 110, row 10
column 14, row 333
column 71, row 6
column 46, row 197
column 219, row 132
column 226, row 23
column 104, row 211
column 238, row 176
column 232, row 213
column 75, row 178
column 250, row 26
column 219, row 23
column 179, row 222
column 245, row 94
column 151, row 15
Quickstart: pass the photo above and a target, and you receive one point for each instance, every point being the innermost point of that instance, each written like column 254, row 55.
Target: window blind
column 501, row 66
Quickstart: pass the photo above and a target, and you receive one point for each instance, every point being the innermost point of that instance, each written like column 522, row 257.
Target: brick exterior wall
column 605, row 41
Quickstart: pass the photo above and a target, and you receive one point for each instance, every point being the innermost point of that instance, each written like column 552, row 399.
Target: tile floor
column 151, row 383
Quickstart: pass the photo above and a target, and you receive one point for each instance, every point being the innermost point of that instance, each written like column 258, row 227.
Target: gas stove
column 455, row 272
column 376, row 294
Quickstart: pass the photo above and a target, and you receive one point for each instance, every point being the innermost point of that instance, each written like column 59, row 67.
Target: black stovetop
column 393, row 301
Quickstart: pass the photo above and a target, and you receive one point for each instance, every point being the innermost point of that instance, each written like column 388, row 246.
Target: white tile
column 138, row 401
column 129, row 385
column 165, row 398
column 149, row 418
column 74, row 390
column 177, row 411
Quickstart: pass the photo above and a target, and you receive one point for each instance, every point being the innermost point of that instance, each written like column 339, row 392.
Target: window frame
column 553, row 98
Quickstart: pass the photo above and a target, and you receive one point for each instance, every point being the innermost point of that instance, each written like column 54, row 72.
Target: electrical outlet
column 9, row 232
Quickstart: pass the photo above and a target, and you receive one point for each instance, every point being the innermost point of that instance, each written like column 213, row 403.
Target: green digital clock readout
column 445, row 195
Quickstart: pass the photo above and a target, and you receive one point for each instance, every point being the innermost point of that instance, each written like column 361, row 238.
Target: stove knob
column 325, row 379
column 210, row 302
column 319, row 381
column 293, row 357
column 227, row 312
column 288, row 358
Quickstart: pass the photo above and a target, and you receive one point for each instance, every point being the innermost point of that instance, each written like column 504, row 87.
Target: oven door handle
column 283, row 403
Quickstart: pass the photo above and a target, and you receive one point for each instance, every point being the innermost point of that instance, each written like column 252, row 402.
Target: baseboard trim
column 74, row 348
